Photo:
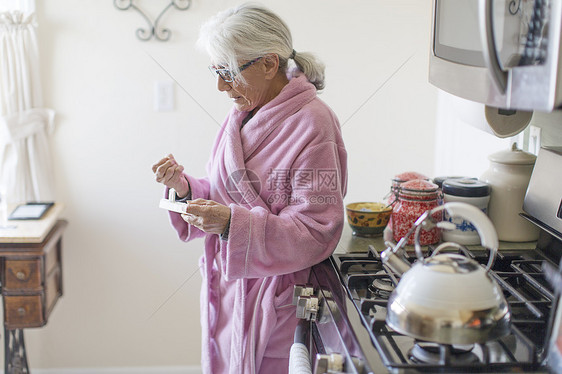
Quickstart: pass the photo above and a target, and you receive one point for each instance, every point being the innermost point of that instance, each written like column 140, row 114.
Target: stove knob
column 307, row 307
column 302, row 290
column 332, row 363
column 306, row 302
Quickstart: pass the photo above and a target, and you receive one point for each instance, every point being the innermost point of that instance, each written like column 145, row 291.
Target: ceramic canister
column 470, row 191
column 439, row 182
column 508, row 175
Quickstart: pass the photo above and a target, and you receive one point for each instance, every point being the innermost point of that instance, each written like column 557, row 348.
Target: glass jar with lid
column 401, row 178
column 414, row 198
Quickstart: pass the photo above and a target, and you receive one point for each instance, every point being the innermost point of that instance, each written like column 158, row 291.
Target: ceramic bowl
column 368, row 219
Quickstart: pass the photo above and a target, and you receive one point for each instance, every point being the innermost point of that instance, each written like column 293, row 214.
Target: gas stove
column 346, row 302
column 366, row 284
column 349, row 332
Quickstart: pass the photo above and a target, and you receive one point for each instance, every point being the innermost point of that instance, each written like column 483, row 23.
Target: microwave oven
column 503, row 53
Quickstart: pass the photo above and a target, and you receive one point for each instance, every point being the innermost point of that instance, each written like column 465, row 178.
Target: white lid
column 514, row 156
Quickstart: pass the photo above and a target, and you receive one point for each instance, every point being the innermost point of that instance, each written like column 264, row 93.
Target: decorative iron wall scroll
column 154, row 30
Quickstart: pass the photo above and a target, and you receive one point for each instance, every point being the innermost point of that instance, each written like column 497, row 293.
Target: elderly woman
column 271, row 205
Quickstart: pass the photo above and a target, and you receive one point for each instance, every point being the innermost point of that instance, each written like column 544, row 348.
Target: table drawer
column 23, row 274
column 24, row 311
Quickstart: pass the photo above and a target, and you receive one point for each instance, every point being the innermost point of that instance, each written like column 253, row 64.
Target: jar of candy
column 414, row 198
column 402, row 178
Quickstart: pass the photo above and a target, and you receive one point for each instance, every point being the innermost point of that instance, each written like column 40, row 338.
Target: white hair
column 249, row 31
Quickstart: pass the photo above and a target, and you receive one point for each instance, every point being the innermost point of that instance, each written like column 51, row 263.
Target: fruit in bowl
column 368, row 219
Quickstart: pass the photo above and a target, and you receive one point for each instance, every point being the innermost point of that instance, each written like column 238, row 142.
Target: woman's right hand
column 170, row 173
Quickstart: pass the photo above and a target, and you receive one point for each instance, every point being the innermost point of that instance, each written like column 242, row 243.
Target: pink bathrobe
column 286, row 216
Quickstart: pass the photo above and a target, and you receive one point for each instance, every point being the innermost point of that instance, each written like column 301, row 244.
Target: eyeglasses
column 227, row 75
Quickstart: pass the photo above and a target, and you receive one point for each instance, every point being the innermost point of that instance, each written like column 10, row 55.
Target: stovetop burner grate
column 401, row 352
column 442, row 354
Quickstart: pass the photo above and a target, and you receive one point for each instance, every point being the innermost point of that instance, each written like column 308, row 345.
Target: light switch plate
column 164, row 96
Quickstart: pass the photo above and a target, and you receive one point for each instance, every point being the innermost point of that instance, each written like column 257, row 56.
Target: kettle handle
column 485, row 227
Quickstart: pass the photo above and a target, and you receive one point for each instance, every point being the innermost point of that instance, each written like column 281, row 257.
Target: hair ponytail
column 311, row 67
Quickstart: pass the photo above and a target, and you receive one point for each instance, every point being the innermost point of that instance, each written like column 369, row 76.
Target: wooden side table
column 31, row 283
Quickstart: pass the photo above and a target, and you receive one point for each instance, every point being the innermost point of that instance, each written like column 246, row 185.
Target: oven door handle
column 299, row 357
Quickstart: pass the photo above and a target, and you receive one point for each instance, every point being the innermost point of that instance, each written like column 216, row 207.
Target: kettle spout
column 395, row 259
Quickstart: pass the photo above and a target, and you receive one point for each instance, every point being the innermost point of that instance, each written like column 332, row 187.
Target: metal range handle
column 299, row 356
column 489, row 51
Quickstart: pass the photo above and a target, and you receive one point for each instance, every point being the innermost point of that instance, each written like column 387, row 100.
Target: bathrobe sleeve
column 303, row 233
column 200, row 188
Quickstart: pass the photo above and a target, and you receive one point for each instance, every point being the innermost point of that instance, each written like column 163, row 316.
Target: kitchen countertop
column 350, row 243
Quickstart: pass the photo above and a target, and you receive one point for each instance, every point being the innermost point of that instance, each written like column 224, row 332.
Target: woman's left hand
column 207, row 215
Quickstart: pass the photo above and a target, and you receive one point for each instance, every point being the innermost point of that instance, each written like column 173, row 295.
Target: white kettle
column 447, row 298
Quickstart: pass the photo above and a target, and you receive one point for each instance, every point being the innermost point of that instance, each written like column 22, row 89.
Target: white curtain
column 24, row 6
column 26, row 170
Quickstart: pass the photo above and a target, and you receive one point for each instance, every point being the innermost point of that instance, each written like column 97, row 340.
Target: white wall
column 131, row 288
column 463, row 139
